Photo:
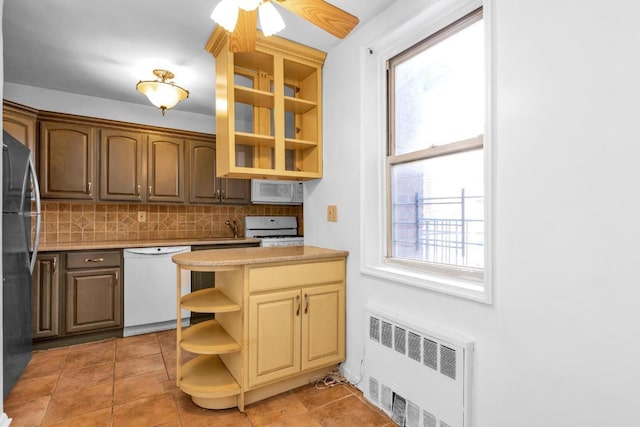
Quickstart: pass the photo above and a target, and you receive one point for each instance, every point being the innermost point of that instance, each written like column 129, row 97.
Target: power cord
column 332, row 379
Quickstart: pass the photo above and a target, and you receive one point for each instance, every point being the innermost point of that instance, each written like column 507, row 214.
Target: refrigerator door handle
column 38, row 213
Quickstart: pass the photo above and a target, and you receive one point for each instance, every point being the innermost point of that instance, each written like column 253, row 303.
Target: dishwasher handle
column 157, row 250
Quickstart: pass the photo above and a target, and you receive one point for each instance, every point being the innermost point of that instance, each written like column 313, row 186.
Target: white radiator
column 420, row 377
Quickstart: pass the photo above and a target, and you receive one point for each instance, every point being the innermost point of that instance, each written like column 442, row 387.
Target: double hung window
column 435, row 160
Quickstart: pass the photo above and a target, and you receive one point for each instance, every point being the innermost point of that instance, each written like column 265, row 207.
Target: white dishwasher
column 150, row 279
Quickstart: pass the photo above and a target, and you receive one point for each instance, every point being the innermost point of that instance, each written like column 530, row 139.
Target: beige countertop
column 123, row 244
column 256, row 255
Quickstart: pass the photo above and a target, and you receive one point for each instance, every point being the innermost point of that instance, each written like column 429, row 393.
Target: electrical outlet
column 142, row 216
column 332, row 213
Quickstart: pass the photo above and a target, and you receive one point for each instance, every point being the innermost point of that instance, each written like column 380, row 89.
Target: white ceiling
column 103, row 48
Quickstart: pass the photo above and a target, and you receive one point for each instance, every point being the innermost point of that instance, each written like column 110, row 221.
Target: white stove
column 273, row 230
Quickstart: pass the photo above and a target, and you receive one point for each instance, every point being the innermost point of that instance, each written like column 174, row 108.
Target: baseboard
column 152, row 327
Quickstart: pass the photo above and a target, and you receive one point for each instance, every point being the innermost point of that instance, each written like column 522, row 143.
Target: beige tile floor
column 131, row 382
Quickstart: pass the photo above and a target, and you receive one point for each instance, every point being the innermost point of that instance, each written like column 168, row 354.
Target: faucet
column 233, row 226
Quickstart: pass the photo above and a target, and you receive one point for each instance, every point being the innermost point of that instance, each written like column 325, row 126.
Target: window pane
column 439, row 92
column 243, row 112
column 438, row 210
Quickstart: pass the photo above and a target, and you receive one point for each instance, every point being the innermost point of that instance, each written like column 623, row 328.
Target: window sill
column 463, row 288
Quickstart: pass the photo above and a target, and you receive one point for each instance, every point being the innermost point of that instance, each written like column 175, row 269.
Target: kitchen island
column 279, row 322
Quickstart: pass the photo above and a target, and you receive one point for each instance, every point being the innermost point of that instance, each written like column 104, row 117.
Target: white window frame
column 412, row 29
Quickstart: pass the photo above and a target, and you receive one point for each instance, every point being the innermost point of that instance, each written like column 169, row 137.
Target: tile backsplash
column 93, row 222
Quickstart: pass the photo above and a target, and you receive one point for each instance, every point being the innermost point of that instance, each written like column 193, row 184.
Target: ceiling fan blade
column 325, row 15
column 243, row 38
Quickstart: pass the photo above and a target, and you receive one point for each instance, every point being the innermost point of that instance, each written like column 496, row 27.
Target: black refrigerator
column 18, row 256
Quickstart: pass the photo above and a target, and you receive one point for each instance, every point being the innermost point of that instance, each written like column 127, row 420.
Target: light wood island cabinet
column 279, row 322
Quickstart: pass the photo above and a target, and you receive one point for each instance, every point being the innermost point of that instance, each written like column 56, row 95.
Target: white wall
column 64, row 102
column 559, row 345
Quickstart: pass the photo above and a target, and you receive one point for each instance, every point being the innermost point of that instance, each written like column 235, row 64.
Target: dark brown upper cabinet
column 204, row 186
column 122, row 165
column 141, row 168
column 20, row 122
column 67, row 161
column 165, row 169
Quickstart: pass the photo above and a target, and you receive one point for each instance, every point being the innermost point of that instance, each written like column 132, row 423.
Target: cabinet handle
column 306, row 303
column 138, row 191
column 224, row 196
column 149, row 193
column 298, row 301
column 89, row 188
column 117, row 277
column 93, row 259
column 55, row 264
column 217, row 194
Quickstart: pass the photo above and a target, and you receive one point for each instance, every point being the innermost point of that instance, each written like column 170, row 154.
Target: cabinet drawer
column 292, row 275
column 93, row 259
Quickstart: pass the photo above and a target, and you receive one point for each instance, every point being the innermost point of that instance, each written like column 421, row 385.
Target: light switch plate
column 332, row 213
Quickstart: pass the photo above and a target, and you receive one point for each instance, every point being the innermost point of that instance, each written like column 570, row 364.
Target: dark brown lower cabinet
column 45, row 296
column 77, row 296
column 93, row 300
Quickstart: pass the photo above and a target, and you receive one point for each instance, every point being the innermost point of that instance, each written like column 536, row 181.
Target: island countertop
column 256, row 255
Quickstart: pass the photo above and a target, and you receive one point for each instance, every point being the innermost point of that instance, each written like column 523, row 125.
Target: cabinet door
column 274, row 336
column 67, row 156
column 235, row 191
column 45, row 295
column 22, row 127
column 121, row 162
column 323, row 326
column 165, row 169
column 93, row 300
column 205, row 187
column 203, row 184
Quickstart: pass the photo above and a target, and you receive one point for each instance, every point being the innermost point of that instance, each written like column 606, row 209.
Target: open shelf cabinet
column 207, row 378
column 268, row 109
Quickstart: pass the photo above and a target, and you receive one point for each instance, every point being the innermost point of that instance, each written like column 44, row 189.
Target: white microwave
column 272, row 192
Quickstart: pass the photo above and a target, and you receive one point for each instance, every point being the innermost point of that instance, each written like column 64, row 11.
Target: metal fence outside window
column 444, row 230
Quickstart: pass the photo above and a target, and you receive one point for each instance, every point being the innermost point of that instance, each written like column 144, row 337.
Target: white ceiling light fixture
column 226, row 15
column 161, row 93
column 248, row 4
column 270, row 20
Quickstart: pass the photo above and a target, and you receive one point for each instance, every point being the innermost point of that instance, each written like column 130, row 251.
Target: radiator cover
column 419, row 376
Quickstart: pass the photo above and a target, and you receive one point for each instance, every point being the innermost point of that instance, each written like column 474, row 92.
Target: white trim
column 410, row 30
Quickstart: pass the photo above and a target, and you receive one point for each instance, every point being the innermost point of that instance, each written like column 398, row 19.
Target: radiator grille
column 414, row 347
column 387, row 397
column 413, row 415
column 374, row 328
column 429, row 420
column 399, row 409
column 387, row 334
column 373, row 389
column 448, row 362
column 400, row 340
column 431, row 353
